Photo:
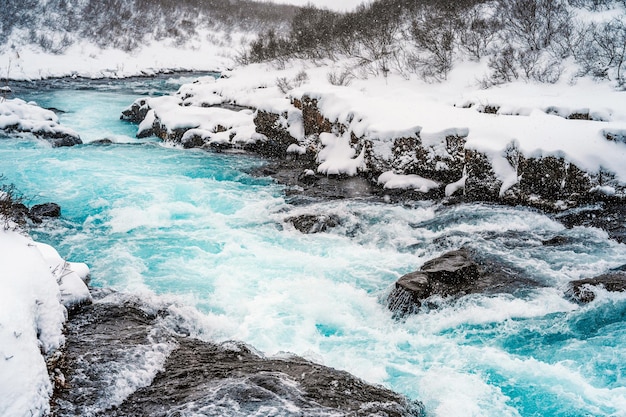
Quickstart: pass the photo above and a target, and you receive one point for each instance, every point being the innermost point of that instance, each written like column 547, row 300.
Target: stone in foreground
column 109, row 339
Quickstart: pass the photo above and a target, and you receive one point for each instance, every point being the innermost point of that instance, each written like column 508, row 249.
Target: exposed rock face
column 313, row 223
column 136, row 112
column 278, row 139
column 230, row 379
column 442, row 162
column 314, row 122
column 110, row 345
column 45, row 210
column 454, row 274
column 582, row 289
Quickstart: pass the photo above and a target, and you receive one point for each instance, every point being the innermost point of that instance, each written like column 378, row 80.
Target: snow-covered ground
column 37, row 288
column 210, row 51
column 537, row 119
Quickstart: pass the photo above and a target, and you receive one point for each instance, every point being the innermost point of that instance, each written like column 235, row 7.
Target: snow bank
column 18, row 115
column 172, row 118
column 534, row 117
column 338, row 157
column 37, row 286
column 26, row 62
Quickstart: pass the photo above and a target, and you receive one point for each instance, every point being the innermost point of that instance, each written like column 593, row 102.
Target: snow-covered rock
column 18, row 116
column 192, row 125
column 552, row 146
column 37, row 288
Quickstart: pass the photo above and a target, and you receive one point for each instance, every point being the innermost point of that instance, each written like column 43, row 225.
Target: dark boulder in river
column 454, row 274
column 582, row 290
column 313, row 223
column 45, row 210
column 115, row 348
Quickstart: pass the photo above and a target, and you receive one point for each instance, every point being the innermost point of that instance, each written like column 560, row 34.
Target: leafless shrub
column 503, row 66
column 478, row 34
column 534, row 24
column 434, row 33
column 343, row 77
column 10, row 201
column 300, row 78
column 283, row 84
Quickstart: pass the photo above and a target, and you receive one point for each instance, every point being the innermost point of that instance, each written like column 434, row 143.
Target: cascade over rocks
column 227, row 379
column 606, row 215
column 454, row 274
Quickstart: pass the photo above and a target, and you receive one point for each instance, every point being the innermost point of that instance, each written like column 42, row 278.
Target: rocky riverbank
column 330, row 137
column 124, row 357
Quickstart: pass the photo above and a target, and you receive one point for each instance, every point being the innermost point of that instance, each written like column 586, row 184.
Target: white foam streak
column 478, row 309
column 463, row 395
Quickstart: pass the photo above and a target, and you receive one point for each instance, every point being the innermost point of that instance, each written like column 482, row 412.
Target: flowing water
column 194, row 229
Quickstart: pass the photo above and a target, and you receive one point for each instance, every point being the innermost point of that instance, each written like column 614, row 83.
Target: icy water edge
column 193, row 229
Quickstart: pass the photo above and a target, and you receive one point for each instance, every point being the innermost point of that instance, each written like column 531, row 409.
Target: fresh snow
column 20, row 116
column 37, row 287
column 26, row 62
column 532, row 116
column 338, row 157
column 390, row 180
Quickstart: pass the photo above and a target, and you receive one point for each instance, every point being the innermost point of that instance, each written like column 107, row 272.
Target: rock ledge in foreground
column 108, row 339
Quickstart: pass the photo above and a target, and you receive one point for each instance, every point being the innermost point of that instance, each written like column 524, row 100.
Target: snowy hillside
column 53, row 38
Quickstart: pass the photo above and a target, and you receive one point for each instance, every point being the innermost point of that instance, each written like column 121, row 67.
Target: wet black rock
column 582, row 290
column 111, row 346
column 313, row 223
column 60, row 140
column 45, row 210
column 607, row 215
column 136, row 112
column 455, row 274
column 55, row 138
column 231, row 379
column 557, row 241
column 105, row 141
